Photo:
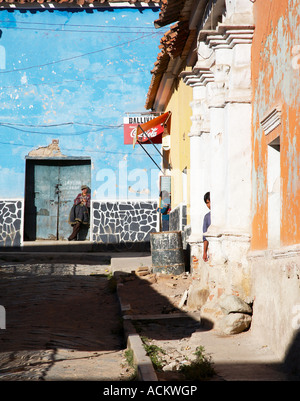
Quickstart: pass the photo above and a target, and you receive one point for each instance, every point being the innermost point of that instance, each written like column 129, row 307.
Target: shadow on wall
column 292, row 359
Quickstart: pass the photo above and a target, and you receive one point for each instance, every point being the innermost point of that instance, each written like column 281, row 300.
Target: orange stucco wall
column 276, row 83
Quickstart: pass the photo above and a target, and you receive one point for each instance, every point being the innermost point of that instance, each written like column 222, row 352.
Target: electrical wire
column 49, row 133
column 77, row 25
column 75, row 57
column 76, row 31
column 60, row 124
column 67, row 81
column 11, row 126
column 132, row 153
column 17, row 126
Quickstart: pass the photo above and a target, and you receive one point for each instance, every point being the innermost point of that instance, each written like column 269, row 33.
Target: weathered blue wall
column 71, row 76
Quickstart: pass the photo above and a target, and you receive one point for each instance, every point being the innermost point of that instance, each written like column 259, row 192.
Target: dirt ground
column 148, row 293
column 156, row 304
column 64, row 323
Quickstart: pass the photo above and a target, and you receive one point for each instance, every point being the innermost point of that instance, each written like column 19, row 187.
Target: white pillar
column 219, row 139
column 218, row 168
column 196, row 185
column 238, row 113
column 200, row 181
column 238, row 122
column 230, row 129
column 199, row 156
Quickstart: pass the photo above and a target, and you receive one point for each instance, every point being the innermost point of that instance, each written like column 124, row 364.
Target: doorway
column 274, row 193
column 51, row 185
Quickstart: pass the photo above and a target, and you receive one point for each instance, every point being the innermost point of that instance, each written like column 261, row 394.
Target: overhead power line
column 67, row 81
column 131, row 153
column 75, row 57
column 18, row 128
column 77, row 30
column 78, row 25
column 59, row 124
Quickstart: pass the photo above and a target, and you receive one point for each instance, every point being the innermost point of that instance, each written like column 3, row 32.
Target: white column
column 199, row 160
column 219, row 139
column 238, row 113
column 218, row 168
column 230, row 115
column 196, row 186
column 238, row 122
column 199, row 79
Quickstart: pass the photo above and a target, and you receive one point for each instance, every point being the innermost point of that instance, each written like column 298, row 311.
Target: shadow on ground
column 50, row 307
column 236, row 358
column 46, row 309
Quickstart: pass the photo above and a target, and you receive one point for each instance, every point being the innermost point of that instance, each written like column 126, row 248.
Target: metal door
column 55, row 188
column 45, row 201
column 70, row 180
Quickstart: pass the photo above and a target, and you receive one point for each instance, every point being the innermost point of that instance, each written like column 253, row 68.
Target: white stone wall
column 276, row 308
column 221, row 158
column 220, row 140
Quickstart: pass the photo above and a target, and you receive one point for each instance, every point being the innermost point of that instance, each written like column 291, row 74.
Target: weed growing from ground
column 154, row 352
column 199, row 369
column 130, row 361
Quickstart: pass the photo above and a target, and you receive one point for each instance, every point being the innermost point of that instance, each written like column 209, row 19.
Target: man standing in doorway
column 80, row 212
column 206, row 224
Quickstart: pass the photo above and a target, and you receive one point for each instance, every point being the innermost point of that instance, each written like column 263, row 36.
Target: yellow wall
column 179, row 155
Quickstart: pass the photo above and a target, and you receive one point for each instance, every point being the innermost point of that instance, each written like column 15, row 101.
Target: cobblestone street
column 62, row 323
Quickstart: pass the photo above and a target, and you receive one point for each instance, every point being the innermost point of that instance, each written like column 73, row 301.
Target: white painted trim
column 12, row 200
column 271, row 120
column 227, row 36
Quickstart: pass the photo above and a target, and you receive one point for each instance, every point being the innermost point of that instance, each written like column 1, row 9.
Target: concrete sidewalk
column 239, row 357
column 78, row 252
column 118, row 259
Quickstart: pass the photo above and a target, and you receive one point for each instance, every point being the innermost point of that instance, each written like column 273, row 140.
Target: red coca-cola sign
column 130, row 125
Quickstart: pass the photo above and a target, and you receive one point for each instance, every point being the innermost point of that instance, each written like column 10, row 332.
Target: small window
column 270, row 124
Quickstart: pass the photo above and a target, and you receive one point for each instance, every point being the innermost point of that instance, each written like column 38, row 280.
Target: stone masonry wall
column 126, row 221
column 178, row 218
column 10, row 222
column 112, row 222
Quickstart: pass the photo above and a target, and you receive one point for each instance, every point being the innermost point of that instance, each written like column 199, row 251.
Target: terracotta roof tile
column 157, row 73
column 170, row 12
column 72, row 2
column 175, row 43
column 172, row 45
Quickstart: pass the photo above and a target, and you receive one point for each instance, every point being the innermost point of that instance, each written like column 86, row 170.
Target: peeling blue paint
column 71, row 76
